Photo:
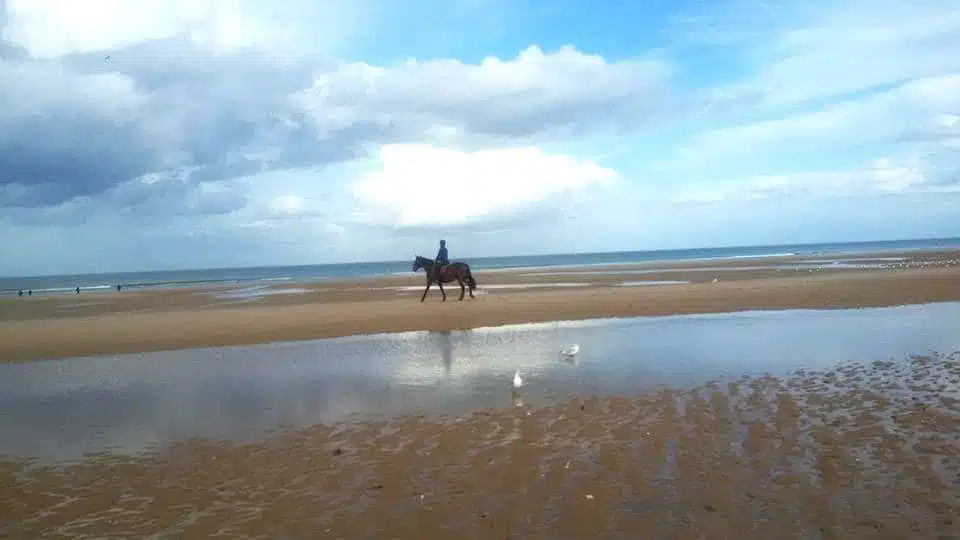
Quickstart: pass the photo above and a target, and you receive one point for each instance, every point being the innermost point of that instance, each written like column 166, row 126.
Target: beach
column 855, row 450
column 59, row 326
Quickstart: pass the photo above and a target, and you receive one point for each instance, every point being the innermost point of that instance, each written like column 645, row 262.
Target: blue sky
column 183, row 134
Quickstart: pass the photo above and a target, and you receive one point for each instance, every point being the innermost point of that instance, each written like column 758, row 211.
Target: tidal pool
column 62, row 409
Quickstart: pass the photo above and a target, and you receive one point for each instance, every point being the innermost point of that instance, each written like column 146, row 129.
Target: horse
column 456, row 270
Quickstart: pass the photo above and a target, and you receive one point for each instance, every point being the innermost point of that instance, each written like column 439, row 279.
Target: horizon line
column 552, row 254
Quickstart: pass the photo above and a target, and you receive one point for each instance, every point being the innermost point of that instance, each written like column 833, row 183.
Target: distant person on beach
column 78, row 289
column 119, row 287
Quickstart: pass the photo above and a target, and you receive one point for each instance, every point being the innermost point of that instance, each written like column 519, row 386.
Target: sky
column 164, row 134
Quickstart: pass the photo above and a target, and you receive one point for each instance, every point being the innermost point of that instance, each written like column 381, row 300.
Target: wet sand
column 862, row 451
column 140, row 321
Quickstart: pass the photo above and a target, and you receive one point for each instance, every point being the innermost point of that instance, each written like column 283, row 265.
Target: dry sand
column 140, row 321
column 858, row 452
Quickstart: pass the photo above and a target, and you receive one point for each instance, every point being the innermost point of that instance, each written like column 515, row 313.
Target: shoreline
column 163, row 321
column 106, row 286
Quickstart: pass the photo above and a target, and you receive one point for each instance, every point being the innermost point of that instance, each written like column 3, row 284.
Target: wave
column 140, row 285
column 42, row 290
column 762, row 255
column 146, row 285
column 754, row 256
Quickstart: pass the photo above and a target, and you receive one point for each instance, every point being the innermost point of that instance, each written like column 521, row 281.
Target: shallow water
column 649, row 283
column 826, row 265
column 255, row 292
column 125, row 404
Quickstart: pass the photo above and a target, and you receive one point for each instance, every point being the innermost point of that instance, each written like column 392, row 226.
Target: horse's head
column 417, row 263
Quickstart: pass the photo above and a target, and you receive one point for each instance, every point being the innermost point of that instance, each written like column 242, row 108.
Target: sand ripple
column 857, row 452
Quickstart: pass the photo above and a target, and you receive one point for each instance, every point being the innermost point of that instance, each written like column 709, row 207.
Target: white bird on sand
column 572, row 350
column 517, row 381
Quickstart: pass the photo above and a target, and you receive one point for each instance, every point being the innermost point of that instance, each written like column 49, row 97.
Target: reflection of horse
column 446, row 351
column 459, row 271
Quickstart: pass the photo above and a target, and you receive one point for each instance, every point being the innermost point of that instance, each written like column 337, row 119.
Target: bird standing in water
column 517, row 383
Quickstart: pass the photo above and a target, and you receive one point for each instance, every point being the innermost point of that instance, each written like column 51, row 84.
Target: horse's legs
column 425, row 291
column 440, row 284
column 462, row 288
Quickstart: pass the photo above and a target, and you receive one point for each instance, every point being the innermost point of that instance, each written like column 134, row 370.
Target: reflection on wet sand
column 861, row 451
column 63, row 409
column 446, row 351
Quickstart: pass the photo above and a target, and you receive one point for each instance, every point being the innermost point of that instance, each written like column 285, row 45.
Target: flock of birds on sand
column 569, row 353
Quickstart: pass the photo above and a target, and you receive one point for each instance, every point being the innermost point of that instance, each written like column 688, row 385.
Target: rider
column 442, row 259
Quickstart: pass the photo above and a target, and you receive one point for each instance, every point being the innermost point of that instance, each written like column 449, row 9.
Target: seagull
column 517, row 381
column 572, row 350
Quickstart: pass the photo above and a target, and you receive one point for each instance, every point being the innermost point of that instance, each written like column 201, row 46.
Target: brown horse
column 459, row 271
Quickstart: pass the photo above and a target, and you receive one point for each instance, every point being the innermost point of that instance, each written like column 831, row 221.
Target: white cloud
column 882, row 176
column 50, row 28
column 419, row 185
column 948, row 121
column 286, row 206
column 851, row 51
column 53, row 28
column 891, row 178
column 879, row 118
column 808, row 51
column 41, row 89
column 536, row 92
column 825, row 86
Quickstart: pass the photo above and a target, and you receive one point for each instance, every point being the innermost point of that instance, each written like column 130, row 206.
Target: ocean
column 315, row 272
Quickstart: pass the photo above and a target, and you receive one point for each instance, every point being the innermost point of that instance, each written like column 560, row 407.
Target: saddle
column 442, row 270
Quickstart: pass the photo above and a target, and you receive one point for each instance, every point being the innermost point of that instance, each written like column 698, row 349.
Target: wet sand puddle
column 255, row 292
column 863, row 451
column 64, row 409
